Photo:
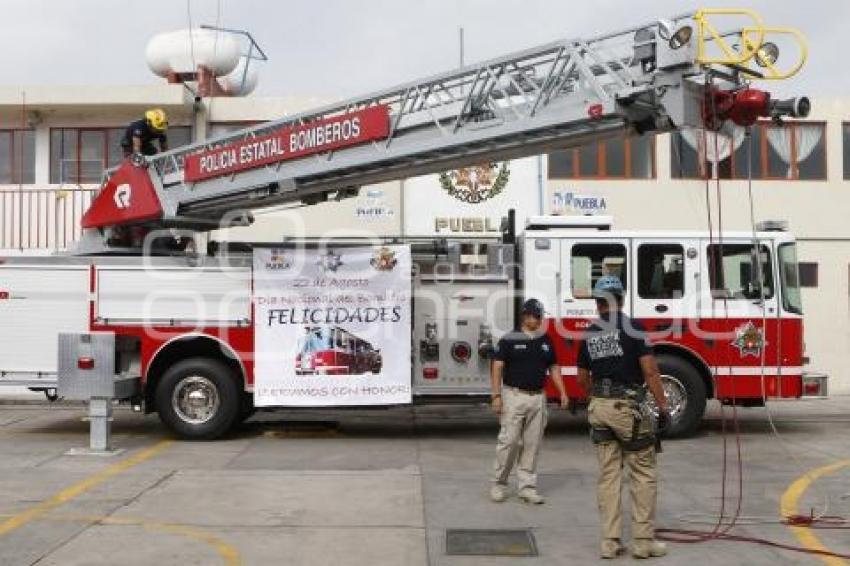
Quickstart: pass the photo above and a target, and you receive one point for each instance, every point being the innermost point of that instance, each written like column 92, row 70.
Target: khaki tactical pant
column 643, row 475
column 523, row 420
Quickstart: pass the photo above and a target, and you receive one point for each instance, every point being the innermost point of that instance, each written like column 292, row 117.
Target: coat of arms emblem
column 278, row 260
column 749, row 339
column 329, row 262
column 384, row 259
column 476, row 184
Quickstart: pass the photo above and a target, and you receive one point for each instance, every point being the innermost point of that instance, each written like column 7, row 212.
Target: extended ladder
column 652, row 77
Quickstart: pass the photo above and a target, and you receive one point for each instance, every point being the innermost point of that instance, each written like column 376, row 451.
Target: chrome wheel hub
column 195, row 399
column 677, row 397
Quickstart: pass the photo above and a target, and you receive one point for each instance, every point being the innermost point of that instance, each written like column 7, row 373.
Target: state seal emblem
column 384, row 259
column 476, row 184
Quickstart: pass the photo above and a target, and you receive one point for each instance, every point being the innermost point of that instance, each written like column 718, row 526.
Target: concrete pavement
column 381, row 488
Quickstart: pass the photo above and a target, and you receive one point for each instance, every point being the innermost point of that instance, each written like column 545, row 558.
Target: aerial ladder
column 665, row 75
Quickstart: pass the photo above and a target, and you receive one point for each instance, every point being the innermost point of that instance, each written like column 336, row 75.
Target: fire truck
column 334, row 350
column 723, row 309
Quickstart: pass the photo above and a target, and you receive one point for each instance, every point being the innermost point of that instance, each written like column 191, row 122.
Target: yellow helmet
column 157, row 119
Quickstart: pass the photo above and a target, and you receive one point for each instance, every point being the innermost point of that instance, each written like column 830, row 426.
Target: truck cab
column 723, row 311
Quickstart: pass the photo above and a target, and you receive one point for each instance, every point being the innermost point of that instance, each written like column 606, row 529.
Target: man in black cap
column 517, row 376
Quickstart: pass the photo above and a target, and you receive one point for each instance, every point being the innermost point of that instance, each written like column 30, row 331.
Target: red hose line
column 687, row 536
column 720, row 530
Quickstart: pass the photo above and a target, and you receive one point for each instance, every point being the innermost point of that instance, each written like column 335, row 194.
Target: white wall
column 375, row 212
column 827, row 310
column 430, row 210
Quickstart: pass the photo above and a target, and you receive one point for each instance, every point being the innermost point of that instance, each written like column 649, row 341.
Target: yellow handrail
column 707, row 31
column 752, row 40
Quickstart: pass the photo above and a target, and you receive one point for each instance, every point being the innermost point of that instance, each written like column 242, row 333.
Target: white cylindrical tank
column 239, row 82
column 184, row 50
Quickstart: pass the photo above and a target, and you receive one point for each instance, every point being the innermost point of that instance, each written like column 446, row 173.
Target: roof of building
column 84, row 101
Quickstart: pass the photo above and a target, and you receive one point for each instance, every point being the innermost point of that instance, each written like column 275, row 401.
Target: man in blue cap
column 518, row 374
column 615, row 361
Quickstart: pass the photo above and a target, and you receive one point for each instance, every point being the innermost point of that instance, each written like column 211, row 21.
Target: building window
column 617, row 158
column 734, row 277
column 17, row 157
column 80, row 155
column 845, row 131
column 589, row 262
column 661, row 271
column 808, row 273
column 794, row 150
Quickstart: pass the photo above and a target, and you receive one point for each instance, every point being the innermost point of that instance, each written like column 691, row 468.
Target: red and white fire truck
column 335, row 351
column 724, row 309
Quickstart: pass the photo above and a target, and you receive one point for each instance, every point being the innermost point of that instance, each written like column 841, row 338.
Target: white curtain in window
column 780, row 140
column 714, row 147
column 806, row 138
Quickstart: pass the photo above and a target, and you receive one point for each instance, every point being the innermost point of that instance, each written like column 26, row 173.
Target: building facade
column 55, row 144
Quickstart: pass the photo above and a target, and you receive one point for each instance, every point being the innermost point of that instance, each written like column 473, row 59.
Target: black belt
column 606, row 388
column 524, row 390
column 625, row 396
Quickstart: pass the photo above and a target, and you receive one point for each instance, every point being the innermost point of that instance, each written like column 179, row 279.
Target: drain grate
column 490, row 542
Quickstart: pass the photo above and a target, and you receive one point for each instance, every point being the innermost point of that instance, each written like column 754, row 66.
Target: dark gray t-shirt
column 611, row 349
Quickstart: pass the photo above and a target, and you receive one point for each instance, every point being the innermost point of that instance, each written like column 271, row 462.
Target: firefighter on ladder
column 138, row 140
column 140, row 135
column 615, row 361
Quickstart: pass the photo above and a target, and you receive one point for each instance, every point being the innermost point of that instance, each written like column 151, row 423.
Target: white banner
column 332, row 326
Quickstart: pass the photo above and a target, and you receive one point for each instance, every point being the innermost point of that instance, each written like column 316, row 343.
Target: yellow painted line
column 69, row 493
column 227, row 552
column 789, row 506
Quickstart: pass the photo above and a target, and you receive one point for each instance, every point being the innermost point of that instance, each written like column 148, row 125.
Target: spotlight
column 682, row 37
column 767, row 54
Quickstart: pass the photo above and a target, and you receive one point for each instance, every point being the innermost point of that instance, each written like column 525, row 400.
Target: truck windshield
column 789, row 271
column 316, row 339
column 734, row 277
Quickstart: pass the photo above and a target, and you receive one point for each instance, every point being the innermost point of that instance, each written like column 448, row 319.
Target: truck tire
column 246, row 408
column 198, row 399
column 686, row 394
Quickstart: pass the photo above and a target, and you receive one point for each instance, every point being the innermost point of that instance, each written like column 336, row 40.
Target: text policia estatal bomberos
column 289, row 142
column 279, row 145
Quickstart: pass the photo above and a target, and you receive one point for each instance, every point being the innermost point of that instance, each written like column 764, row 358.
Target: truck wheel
column 246, row 408
column 198, row 399
column 686, row 394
